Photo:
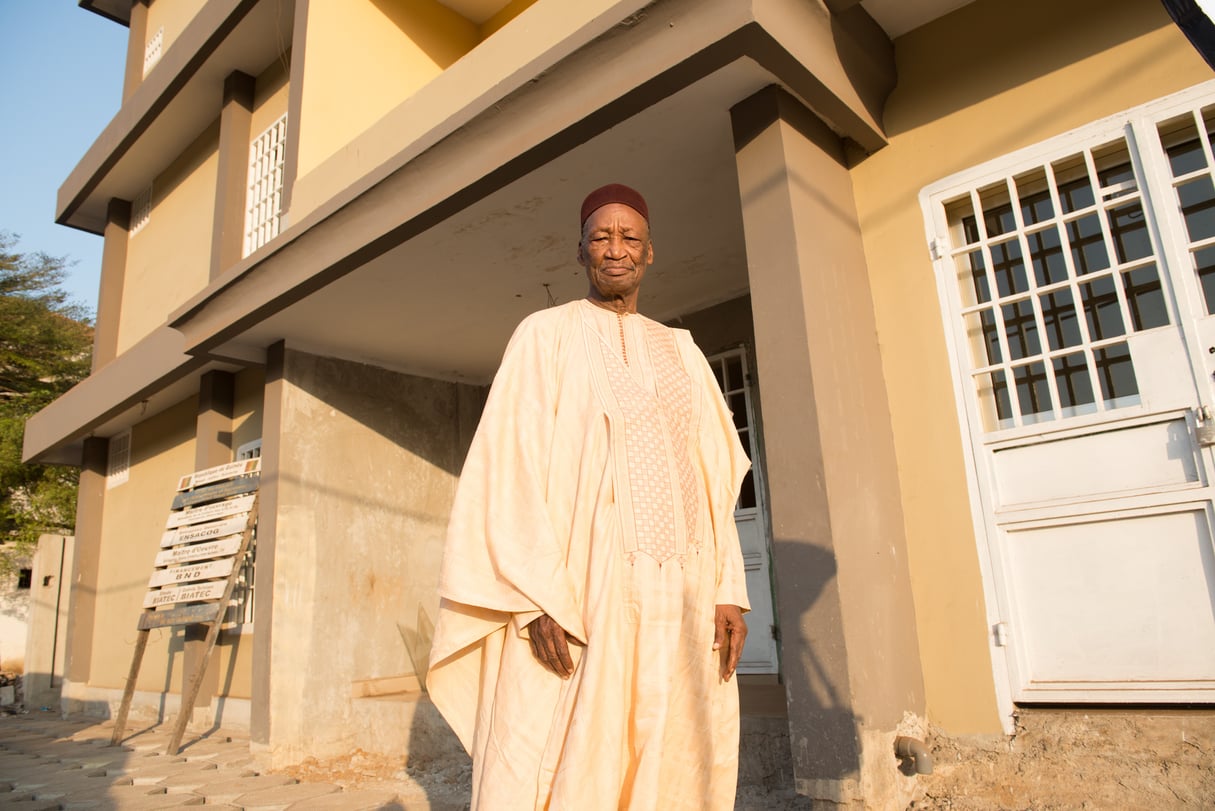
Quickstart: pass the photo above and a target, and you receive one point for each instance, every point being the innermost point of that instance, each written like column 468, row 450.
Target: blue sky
column 60, row 84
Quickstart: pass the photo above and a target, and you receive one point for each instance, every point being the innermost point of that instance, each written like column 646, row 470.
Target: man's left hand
column 729, row 636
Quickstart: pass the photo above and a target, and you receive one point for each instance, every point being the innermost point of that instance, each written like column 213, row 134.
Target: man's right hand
column 550, row 645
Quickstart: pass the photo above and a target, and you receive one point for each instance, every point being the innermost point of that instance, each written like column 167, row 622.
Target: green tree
column 45, row 349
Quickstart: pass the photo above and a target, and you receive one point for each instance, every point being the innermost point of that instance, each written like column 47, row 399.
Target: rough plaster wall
column 366, row 477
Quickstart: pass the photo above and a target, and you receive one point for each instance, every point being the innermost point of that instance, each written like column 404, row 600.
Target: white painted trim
column 992, row 613
column 1127, row 123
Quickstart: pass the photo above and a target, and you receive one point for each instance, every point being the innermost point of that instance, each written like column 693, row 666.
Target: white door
column 1078, row 281
column 759, row 653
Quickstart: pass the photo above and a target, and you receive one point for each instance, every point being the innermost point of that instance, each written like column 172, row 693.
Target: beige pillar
column 850, row 657
column 235, row 124
column 113, row 272
column 267, row 523
column 90, row 500
column 137, row 41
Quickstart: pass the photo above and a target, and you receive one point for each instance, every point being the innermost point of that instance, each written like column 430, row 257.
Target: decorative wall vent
column 118, row 467
column 141, row 210
column 263, row 207
column 153, row 50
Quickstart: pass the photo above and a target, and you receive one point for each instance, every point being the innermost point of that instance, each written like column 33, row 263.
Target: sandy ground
column 1078, row 759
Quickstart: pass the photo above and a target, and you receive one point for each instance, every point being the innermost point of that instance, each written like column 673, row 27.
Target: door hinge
column 999, row 633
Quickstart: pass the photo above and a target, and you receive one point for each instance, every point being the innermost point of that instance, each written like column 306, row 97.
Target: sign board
column 199, row 551
column 219, row 473
column 179, row 575
column 209, row 531
column 205, row 532
column 181, row 615
column 213, row 492
column 185, row 594
column 209, row 512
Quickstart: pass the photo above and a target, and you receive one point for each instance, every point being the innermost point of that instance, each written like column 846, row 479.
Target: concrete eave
column 176, row 101
column 496, row 124
column 146, row 370
column 117, row 10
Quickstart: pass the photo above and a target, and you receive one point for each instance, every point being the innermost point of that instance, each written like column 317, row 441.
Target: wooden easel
column 200, row 546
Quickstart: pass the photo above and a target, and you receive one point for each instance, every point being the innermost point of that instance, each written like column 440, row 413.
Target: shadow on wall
column 822, row 726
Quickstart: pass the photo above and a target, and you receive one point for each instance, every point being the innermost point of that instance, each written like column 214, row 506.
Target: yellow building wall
column 234, row 651
column 173, row 16
column 508, row 12
column 168, row 260
column 364, row 57
column 247, row 411
column 973, row 86
column 270, row 97
column 162, row 449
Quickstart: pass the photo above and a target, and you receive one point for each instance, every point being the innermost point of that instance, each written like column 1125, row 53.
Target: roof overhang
column 179, row 98
column 117, row 10
column 147, row 378
column 488, row 162
column 476, row 144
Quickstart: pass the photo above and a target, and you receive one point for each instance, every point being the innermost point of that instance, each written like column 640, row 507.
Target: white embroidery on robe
column 657, row 430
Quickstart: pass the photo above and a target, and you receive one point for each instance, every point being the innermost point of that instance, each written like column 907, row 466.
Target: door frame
column 762, row 516
column 979, row 486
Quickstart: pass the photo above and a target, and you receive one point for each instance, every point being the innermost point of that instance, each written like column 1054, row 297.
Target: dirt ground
column 1057, row 760
column 1078, row 759
column 440, row 785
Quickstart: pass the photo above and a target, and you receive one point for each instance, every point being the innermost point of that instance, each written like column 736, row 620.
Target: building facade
column 951, row 260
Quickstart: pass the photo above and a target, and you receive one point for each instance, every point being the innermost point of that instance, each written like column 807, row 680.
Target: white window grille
column 240, row 609
column 263, row 205
column 153, row 50
column 118, row 467
column 141, row 210
column 1054, row 270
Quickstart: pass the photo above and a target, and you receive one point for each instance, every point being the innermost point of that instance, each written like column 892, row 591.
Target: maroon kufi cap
column 614, row 193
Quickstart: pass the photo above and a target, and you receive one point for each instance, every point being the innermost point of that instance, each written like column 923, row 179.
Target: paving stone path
column 47, row 762
column 51, row 763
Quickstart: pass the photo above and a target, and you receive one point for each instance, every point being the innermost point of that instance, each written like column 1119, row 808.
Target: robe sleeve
column 724, row 464
column 502, row 557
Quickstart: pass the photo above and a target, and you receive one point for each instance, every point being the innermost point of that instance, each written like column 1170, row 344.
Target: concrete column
column 850, row 657
column 137, row 39
column 212, row 446
column 267, row 524
column 235, row 124
column 89, row 504
column 113, row 273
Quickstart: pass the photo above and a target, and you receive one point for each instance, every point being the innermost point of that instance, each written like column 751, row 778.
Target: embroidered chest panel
column 652, row 436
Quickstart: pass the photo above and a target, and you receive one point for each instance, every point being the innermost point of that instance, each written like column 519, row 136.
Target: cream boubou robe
column 600, row 492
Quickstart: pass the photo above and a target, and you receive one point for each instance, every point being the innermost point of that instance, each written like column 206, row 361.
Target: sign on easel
column 207, row 535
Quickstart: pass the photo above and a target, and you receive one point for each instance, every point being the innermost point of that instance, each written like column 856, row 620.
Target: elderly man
column 592, row 588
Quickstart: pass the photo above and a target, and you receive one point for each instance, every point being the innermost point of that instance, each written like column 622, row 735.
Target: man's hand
column 730, row 634
column 550, row 645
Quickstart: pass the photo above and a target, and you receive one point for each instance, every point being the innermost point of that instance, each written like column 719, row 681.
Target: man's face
column 615, row 250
